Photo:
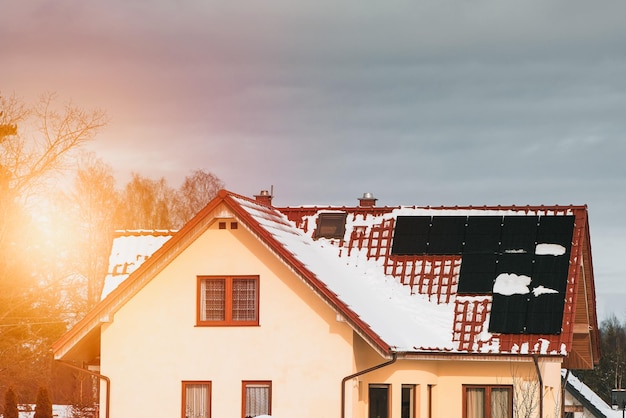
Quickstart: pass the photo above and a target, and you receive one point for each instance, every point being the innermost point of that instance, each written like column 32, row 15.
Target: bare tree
column 42, row 139
column 528, row 393
column 145, row 204
column 92, row 203
column 196, row 191
column 38, row 143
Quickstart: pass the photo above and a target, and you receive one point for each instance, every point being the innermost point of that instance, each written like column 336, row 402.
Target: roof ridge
column 446, row 207
column 144, row 232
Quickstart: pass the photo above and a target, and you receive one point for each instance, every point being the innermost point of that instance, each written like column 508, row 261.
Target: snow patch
column 543, row 349
column 508, row 284
column 540, row 290
column 549, row 249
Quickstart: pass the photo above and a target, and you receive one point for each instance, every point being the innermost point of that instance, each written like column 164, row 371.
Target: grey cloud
column 429, row 102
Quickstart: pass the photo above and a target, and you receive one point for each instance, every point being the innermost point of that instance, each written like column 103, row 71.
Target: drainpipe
column 535, row 359
column 99, row 376
column 394, row 357
column 563, row 386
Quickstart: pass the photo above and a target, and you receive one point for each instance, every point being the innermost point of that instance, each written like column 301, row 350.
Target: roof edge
column 112, row 301
column 297, row 266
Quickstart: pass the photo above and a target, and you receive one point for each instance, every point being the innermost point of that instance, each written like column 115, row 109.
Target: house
column 129, row 250
column 582, row 402
column 363, row 311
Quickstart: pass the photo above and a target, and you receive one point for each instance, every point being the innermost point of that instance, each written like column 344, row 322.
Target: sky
column 433, row 102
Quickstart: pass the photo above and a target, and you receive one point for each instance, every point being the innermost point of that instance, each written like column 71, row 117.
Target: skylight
column 331, row 225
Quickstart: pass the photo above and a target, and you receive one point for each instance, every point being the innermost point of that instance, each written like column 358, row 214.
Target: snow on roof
column 410, row 303
column 129, row 250
column 423, row 315
column 591, row 397
column 403, row 320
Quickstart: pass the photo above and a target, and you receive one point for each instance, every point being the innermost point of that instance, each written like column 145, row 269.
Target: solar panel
column 545, row 314
column 411, row 235
column 446, row 234
column 551, row 272
column 556, row 230
column 508, row 314
column 519, row 233
column 482, row 235
column 520, row 264
column 532, row 246
column 478, row 272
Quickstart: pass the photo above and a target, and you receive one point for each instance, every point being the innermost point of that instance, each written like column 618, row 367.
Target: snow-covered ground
column 58, row 411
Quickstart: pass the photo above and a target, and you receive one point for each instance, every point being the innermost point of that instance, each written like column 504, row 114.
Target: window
column 378, row 401
column 430, row 390
column 196, row 400
column 256, row 398
column 228, row 300
column 331, row 225
column 408, row 401
column 488, row 401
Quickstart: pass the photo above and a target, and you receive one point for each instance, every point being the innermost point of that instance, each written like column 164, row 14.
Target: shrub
column 43, row 408
column 10, row 404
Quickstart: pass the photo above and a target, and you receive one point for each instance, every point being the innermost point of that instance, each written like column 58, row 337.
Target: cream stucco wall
column 153, row 345
column 439, row 381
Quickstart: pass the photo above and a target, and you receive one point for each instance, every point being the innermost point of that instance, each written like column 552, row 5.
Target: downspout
column 99, row 376
column 563, row 387
column 394, row 357
column 536, row 361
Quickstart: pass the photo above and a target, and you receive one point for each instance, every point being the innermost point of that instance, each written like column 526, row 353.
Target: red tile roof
column 436, row 276
column 399, row 303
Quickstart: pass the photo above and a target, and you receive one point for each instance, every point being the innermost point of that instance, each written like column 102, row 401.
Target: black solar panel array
column 497, row 245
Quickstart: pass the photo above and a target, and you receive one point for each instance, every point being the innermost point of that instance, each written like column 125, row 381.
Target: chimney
column 264, row 198
column 368, row 199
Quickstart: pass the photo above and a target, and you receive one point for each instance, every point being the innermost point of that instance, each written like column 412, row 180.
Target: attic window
column 331, row 225
column 228, row 301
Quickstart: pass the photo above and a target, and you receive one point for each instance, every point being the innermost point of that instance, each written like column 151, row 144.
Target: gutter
column 362, row 372
column 99, row 376
column 536, row 361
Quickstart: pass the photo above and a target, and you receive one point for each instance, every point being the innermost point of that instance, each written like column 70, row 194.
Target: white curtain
column 500, row 403
column 244, row 299
column 197, row 400
column 257, row 400
column 475, row 398
column 213, row 294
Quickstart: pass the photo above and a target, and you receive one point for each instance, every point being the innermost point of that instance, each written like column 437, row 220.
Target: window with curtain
column 228, row 301
column 257, row 398
column 488, row 401
column 196, row 400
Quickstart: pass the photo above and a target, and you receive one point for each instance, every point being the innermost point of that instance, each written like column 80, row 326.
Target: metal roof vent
column 367, row 199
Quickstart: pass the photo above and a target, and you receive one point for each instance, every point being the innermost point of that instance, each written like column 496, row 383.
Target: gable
column 170, row 300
